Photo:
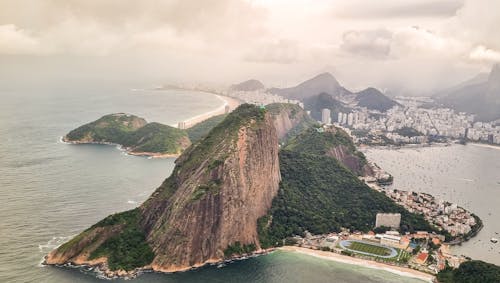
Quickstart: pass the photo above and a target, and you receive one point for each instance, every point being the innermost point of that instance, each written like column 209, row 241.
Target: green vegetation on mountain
column 474, row 271
column 332, row 142
column 222, row 133
column 155, row 137
column 201, row 129
column 128, row 249
column 320, row 195
column 133, row 133
column 317, row 142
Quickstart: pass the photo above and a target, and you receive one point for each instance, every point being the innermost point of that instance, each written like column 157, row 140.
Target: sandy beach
column 407, row 272
column 227, row 101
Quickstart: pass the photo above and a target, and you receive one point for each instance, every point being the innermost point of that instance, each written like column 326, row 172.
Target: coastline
column 403, row 271
column 102, row 271
column 227, row 101
column 125, row 150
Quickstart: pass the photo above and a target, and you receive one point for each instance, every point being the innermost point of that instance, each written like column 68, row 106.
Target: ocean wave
column 53, row 243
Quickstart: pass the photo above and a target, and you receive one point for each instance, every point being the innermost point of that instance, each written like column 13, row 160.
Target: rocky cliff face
column 206, row 210
column 215, row 195
column 332, row 142
column 289, row 119
column 352, row 161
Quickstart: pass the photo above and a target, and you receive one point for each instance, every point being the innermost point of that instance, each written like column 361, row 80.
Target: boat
column 494, row 240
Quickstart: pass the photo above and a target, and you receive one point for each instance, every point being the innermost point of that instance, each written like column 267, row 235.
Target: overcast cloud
column 416, row 45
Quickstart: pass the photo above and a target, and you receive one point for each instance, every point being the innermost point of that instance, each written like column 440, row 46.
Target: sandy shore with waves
column 407, row 272
column 227, row 101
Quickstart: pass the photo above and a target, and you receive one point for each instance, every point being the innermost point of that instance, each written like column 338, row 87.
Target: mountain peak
column 324, row 82
column 325, row 77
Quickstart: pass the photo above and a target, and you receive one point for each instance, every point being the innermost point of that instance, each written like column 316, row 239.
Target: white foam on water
column 53, row 243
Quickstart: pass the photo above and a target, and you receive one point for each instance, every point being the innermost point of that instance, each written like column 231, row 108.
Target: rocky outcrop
column 289, row 119
column 78, row 250
column 350, row 160
column 215, row 195
column 334, row 142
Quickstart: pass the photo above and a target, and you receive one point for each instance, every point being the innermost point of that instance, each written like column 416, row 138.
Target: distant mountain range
column 476, row 97
column 250, row 85
column 324, row 91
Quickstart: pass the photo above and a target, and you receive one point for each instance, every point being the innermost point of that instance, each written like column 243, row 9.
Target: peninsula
column 133, row 133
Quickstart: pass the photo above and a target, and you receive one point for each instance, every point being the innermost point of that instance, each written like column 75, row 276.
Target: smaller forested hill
column 333, row 142
column 133, row 133
column 474, row 271
column 320, row 195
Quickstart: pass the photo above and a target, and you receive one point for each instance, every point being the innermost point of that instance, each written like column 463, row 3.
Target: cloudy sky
column 406, row 45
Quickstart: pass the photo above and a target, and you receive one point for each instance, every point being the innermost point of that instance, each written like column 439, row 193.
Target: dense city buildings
column 413, row 122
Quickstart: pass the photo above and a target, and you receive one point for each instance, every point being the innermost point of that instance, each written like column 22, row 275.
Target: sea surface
column 468, row 175
column 51, row 191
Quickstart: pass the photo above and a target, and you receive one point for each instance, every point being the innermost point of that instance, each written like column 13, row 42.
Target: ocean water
column 467, row 175
column 50, row 191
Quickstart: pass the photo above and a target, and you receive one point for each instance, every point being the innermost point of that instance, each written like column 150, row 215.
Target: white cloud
column 367, row 43
column 482, row 53
column 14, row 40
column 281, row 52
column 260, row 38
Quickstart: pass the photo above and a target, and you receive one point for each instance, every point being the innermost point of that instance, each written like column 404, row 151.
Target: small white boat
column 494, row 240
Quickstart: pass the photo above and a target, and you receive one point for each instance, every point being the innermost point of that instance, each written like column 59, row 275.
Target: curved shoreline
column 402, row 271
column 227, row 101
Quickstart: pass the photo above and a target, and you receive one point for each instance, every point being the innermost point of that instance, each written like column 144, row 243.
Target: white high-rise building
column 344, row 118
column 350, row 118
column 339, row 118
column 326, row 116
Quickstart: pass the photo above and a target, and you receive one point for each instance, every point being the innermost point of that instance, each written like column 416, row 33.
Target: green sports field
column 367, row 248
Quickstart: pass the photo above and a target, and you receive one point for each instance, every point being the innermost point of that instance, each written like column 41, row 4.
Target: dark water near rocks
column 50, row 191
